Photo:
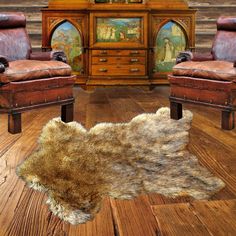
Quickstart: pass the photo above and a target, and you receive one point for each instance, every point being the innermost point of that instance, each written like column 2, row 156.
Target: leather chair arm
column 49, row 56
column 3, row 63
column 190, row 56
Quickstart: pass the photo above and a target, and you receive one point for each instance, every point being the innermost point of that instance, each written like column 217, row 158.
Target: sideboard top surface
column 153, row 4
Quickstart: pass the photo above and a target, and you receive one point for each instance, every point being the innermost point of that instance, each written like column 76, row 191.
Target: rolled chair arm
column 49, row 56
column 184, row 56
column 193, row 56
column 3, row 63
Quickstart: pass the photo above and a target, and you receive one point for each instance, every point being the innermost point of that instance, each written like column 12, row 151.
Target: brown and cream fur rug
column 78, row 167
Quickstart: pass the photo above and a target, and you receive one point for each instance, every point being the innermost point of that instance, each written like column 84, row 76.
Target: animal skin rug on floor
column 78, row 167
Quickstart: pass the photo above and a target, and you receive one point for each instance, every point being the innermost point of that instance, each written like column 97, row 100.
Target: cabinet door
column 171, row 35
column 170, row 40
column 67, row 31
column 67, row 37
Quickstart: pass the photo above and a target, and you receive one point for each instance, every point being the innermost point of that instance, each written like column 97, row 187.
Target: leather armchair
column 208, row 78
column 30, row 80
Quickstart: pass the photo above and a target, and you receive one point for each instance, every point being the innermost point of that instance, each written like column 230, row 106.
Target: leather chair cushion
column 31, row 70
column 213, row 70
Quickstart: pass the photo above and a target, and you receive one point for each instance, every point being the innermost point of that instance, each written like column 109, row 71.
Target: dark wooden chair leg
column 227, row 120
column 67, row 112
column 175, row 110
column 14, row 123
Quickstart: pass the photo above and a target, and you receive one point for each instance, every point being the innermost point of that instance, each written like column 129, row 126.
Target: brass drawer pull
column 103, row 60
column 103, row 70
column 103, row 52
column 134, row 70
column 134, row 52
column 134, row 60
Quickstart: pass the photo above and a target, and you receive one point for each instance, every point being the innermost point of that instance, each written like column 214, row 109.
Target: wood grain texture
column 23, row 212
column 178, row 219
column 223, row 212
column 134, row 218
column 197, row 218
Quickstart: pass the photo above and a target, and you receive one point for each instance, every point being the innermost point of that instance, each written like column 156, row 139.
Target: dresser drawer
column 118, row 60
column 118, row 70
column 118, row 52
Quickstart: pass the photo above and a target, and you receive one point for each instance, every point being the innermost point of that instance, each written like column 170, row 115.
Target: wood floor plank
column 116, row 92
column 178, row 219
column 134, row 218
column 98, row 96
column 222, row 212
column 31, row 206
column 7, row 139
column 98, row 113
column 207, row 151
column 102, row 225
column 80, row 107
column 214, row 130
column 125, row 109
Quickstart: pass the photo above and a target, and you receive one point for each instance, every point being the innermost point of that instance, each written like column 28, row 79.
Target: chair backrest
column 224, row 45
column 14, row 40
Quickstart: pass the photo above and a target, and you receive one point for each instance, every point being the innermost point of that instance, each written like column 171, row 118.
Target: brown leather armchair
column 30, row 80
column 208, row 79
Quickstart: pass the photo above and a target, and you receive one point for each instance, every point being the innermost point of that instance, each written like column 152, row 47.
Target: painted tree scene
column 169, row 42
column 67, row 38
column 119, row 30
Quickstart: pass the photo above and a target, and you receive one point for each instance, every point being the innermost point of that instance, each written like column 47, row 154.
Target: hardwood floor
column 23, row 211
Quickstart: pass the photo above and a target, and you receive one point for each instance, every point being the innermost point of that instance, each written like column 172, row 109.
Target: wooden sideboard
column 119, row 42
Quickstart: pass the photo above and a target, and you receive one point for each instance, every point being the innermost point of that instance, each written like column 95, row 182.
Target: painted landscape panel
column 169, row 42
column 67, row 38
column 119, row 30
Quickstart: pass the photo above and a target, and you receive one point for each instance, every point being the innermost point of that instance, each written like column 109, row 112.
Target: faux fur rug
column 78, row 167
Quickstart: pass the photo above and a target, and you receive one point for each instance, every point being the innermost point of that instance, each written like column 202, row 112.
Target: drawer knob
column 103, row 70
column 103, row 52
column 134, row 52
column 103, row 60
column 134, row 70
column 134, row 60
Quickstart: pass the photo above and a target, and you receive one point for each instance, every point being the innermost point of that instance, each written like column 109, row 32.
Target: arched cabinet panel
column 67, row 31
column 171, row 34
column 67, row 38
column 170, row 40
